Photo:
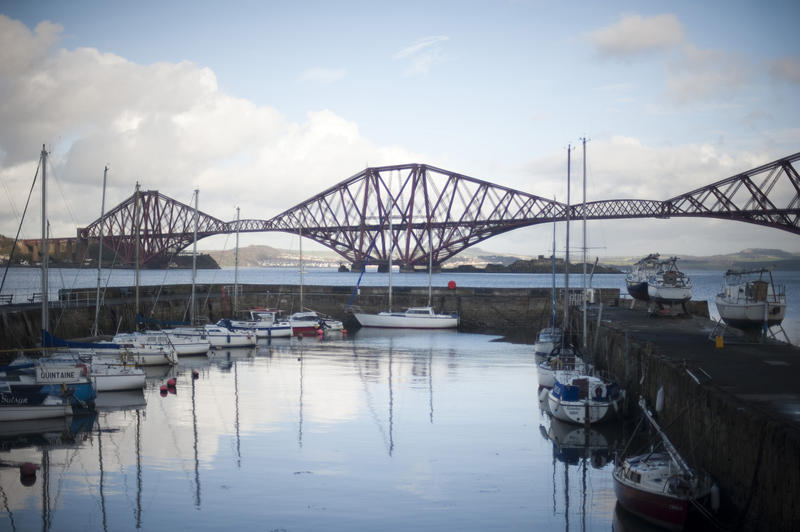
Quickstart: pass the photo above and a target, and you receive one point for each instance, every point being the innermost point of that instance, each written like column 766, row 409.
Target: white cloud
column 423, row 55
column 166, row 125
column 703, row 75
column 635, row 34
column 785, row 69
column 323, row 76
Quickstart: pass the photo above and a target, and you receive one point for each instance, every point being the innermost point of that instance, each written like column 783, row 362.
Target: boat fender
column 660, row 400
column 320, row 332
column 715, row 498
column 543, row 394
column 195, row 374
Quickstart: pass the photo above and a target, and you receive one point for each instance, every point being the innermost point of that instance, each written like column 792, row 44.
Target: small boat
column 218, row 336
column 411, row 318
column 263, row 323
column 659, row 486
column 750, row 300
column 21, row 405
column 106, row 373
column 669, row 284
column 181, row 345
column 61, row 379
column 566, row 359
column 308, row 322
column 641, row 272
column 580, row 398
column 547, row 340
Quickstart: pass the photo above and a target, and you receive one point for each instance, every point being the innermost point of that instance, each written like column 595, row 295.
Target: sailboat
column 412, row 317
column 659, row 486
column 550, row 337
column 581, row 396
column 308, row 322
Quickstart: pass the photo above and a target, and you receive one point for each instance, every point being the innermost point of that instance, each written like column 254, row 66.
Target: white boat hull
column 751, row 315
column 397, row 320
column 576, row 411
column 669, row 294
column 118, row 381
column 21, row 412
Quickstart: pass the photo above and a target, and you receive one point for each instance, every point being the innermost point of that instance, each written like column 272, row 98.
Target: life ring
column 598, row 391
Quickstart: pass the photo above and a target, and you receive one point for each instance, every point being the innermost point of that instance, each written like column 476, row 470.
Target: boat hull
column 576, row 411
column 115, row 382
column 661, row 509
column 751, row 315
column 27, row 406
column 638, row 290
column 669, row 294
column 391, row 320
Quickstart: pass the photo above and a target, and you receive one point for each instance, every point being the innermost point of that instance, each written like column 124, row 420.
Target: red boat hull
column 660, row 509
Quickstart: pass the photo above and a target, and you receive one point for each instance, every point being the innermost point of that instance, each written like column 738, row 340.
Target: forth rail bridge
column 433, row 213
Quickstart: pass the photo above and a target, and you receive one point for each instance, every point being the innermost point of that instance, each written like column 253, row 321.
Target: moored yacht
column 580, row 398
column 263, row 323
column 750, row 300
column 411, row 318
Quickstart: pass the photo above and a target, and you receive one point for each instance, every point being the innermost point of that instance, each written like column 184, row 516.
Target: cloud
column 785, row 69
column 702, row 75
column 323, row 76
column 423, row 55
column 166, row 125
column 634, row 34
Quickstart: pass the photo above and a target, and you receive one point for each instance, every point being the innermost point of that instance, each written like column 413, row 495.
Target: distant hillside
column 776, row 259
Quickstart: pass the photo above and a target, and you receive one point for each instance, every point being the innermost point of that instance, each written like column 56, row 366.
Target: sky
column 263, row 104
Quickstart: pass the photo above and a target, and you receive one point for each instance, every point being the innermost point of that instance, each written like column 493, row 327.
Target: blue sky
column 263, row 104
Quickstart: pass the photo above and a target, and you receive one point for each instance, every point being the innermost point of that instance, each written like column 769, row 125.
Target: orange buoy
column 451, row 285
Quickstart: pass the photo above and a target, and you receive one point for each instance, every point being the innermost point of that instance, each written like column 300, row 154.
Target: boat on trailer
column 641, row 271
column 750, row 300
column 669, row 285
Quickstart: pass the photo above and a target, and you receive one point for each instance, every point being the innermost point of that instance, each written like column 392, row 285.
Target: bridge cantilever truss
column 435, row 214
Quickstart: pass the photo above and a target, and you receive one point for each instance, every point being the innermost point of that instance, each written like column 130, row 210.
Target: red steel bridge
column 434, row 211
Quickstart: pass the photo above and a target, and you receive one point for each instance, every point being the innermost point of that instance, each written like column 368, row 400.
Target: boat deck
column 766, row 376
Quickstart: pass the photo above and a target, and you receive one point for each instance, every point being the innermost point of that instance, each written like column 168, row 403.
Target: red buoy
column 451, row 285
column 195, row 374
column 163, row 389
column 171, row 382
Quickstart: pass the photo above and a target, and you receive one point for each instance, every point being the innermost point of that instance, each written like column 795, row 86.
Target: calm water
column 380, row 431
column 22, row 282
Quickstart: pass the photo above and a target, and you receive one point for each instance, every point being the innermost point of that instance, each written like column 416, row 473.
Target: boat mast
column 236, row 269
column 300, row 233
column 192, row 315
column 673, row 453
column 45, row 252
column 100, row 255
column 430, row 263
column 137, row 218
column 391, row 249
column 566, row 257
column 553, row 302
column 583, row 208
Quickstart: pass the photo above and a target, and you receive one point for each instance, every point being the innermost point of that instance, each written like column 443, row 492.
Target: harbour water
column 23, row 282
column 377, row 431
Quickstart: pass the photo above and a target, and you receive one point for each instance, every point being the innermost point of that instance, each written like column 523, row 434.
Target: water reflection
column 331, row 434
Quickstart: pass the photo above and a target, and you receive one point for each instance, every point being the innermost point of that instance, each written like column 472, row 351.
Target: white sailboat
column 412, row 317
column 750, row 300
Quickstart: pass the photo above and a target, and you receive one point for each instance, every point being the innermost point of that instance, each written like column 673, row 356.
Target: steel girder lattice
column 166, row 226
column 435, row 214
column 768, row 195
column 429, row 210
